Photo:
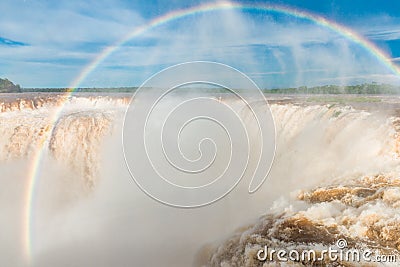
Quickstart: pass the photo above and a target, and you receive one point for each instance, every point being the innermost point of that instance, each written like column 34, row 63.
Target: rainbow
column 168, row 17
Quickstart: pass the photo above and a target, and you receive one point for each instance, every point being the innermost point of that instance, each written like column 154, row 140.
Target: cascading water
column 335, row 174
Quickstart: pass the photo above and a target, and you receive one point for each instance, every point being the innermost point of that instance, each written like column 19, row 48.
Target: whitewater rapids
column 335, row 174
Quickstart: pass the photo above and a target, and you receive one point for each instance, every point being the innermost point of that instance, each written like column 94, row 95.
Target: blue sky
column 49, row 43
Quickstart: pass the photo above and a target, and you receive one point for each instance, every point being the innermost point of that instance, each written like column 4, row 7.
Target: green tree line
column 366, row 88
column 6, row 86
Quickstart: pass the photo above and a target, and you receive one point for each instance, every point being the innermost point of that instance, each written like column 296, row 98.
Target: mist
column 110, row 221
column 90, row 209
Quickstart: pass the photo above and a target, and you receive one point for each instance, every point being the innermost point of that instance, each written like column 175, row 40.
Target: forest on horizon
column 6, row 86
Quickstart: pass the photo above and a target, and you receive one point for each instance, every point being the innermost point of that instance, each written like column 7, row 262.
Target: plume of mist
column 116, row 223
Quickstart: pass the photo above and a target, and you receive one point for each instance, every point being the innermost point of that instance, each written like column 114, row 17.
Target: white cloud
column 379, row 27
column 386, row 33
column 58, row 34
column 299, row 53
column 65, row 39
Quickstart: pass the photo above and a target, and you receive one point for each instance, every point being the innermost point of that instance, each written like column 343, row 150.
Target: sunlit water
column 335, row 175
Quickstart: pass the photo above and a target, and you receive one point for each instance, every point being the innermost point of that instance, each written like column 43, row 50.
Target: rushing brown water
column 358, row 202
column 335, row 175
